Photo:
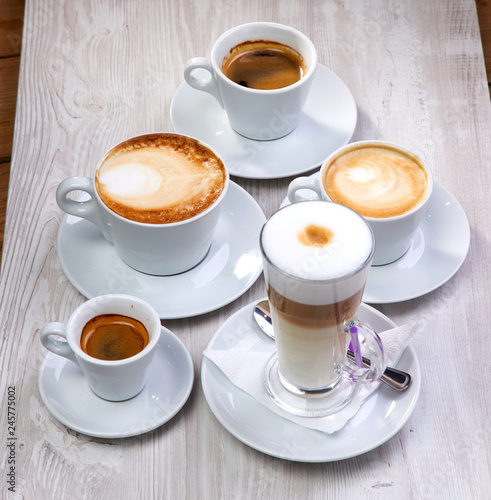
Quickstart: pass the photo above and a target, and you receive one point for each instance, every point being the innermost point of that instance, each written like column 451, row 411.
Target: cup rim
column 212, row 207
column 377, row 142
column 73, row 338
column 264, row 24
column 327, row 281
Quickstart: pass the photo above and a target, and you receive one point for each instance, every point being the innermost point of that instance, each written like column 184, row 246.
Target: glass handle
column 365, row 341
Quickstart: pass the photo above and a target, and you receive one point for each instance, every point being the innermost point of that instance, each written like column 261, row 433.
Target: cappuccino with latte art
column 156, row 198
column 385, row 183
column 160, row 179
column 376, row 181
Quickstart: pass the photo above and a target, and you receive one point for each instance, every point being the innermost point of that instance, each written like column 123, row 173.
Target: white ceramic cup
column 157, row 249
column 393, row 235
column 112, row 380
column 255, row 114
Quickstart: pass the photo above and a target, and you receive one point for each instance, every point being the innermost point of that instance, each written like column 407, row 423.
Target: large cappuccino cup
column 265, row 113
column 316, row 257
column 385, row 183
column 156, row 198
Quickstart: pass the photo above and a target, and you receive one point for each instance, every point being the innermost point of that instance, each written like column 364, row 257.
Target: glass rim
column 362, row 266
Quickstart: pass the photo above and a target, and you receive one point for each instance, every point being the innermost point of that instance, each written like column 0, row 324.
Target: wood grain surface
column 93, row 73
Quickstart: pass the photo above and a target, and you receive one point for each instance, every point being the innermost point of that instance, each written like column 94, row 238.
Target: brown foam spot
column 315, row 236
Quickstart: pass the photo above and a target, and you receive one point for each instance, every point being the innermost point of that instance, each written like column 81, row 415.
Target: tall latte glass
column 316, row 259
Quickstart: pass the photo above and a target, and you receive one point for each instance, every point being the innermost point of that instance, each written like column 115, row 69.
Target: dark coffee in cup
column 112, row 337
column 264, row 65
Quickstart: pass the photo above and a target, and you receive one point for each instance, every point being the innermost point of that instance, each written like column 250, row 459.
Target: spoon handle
column 394, row 378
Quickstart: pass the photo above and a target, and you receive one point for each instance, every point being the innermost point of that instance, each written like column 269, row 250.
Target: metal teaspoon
column 396, row 379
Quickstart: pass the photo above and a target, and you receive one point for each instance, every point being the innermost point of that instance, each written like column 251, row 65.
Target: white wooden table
column 93, row 73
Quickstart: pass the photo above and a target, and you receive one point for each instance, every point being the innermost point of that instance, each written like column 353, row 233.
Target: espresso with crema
column 264, row 65
column 112, row 337
column 316, row 250
column 377, row 181
column 160, row 179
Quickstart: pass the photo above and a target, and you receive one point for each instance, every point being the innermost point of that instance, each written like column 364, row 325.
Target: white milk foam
column 349, row 248
column 161, row 181
column 376, row 182
column 131, row 180
column 151, row 178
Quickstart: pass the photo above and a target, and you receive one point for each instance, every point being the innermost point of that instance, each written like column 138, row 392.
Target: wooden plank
column 9, row 71
column 11, row 21
column 9, row 74
column 4, row 184
column 484, row 15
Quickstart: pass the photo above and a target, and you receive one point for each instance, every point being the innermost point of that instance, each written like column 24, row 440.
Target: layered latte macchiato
column 160, row 179
column 376, row 181
column 315, row 256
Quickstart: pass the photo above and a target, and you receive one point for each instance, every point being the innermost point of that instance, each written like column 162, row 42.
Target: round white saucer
column 328, row 122
column 439, row 248
column 231, row 267
column 68, row 397
column 381, row 416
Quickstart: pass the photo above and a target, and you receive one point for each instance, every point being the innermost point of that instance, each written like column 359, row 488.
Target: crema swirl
column 160, row 179
column 376, row 181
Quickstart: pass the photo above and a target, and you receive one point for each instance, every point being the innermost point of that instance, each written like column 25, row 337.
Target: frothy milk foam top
column 164, row 181
column 376, row 181
column 317, row 240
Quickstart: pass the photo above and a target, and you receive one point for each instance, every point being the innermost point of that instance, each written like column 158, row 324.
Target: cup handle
column 54, row 345
column 207, row 84
column 362, row 336
column 87, row 209
column 309, row 183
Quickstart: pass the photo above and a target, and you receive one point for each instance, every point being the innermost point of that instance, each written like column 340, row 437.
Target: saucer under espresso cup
column 385, row 183
column 67, row 396
column 161, row 221
column 261, row 110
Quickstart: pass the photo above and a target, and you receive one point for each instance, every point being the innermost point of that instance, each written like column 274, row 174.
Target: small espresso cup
column 316, row 257
column 385, row 183
column 114, row 380
column 257, row 113
column 157, row 198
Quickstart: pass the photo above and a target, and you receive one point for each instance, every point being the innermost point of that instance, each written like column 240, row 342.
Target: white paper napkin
column 246, row 370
